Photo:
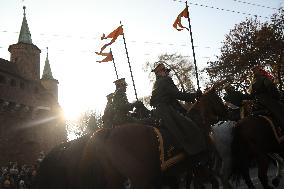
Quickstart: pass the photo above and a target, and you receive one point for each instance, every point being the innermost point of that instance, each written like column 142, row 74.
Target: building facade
column 31, row 119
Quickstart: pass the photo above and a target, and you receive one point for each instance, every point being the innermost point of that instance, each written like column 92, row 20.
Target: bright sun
column 72, row 112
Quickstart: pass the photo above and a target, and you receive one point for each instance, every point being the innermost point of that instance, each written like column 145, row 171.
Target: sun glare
column 71, row 114
column 72, row 111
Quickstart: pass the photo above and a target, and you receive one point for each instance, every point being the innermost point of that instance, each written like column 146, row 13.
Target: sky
column 72, row 29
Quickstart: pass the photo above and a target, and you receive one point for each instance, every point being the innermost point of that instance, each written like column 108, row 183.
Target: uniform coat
column 165, row 96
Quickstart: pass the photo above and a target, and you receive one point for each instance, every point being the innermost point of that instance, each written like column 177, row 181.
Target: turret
column 25, row 54
column 47, row 80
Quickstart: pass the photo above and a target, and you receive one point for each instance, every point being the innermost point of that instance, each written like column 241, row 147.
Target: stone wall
column 25, row 133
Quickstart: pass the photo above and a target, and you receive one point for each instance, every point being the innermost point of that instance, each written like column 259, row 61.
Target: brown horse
column 109, row 156
column 253, row 139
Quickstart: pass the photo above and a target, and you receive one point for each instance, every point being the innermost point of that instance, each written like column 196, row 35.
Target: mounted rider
column 164, row 99
column 121, row 106
column 264, row 90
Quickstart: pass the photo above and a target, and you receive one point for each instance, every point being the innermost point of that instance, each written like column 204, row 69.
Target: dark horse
column 104, row 159
column 253, row 139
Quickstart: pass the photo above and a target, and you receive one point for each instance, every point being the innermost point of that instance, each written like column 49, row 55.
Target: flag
column 113, row 35
column 108, row 57
column 177, row 24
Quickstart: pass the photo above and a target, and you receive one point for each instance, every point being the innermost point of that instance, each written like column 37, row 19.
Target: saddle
column 250, row 108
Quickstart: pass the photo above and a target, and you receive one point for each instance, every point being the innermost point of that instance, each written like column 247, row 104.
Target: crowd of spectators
column 15, row 176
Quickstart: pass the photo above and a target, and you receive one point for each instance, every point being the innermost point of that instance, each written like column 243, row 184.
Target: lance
column 114, row 64
column 129, row 64
column 192, row 46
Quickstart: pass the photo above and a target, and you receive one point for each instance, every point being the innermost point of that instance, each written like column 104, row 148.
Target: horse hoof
column 276, row 182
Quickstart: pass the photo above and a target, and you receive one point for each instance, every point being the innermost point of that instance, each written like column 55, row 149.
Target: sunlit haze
column 72, row 30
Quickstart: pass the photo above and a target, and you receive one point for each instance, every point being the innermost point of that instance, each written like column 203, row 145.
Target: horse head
column 210, row 108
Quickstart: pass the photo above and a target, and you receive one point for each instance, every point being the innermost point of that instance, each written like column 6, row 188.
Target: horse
column 254, row 138
column 78, row 164
column 108, row 157
column 222, row 134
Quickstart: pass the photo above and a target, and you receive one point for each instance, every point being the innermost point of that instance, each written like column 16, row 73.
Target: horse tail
column 240, row 155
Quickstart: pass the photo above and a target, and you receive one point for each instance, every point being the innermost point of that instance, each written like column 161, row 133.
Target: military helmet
column 120, row 83
column 159, row 67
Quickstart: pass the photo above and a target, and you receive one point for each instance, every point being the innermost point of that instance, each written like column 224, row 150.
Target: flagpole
column 192, row 46
column 114, row 64
column 129, row 64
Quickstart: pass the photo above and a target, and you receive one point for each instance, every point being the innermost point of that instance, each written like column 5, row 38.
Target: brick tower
column 31, row 119
column 25, row 54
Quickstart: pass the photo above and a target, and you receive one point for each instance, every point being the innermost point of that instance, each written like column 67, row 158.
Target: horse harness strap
column 279, row 137
column 165, row 164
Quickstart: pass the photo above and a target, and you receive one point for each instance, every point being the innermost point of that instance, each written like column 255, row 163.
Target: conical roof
column 47, row 74
column 25, row 35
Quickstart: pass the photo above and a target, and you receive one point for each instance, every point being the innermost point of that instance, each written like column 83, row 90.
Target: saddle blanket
column 170, row 153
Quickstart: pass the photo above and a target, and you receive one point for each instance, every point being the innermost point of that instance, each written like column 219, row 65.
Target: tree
column 88, row 122
column 248, row 44
column 182, row 70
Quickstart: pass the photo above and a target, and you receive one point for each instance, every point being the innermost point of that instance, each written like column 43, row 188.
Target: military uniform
column 164, row 98
column 121, row 107
column 108, row 112
column 267, row 95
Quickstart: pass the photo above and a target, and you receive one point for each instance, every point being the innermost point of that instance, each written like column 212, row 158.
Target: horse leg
column 263, row 164
column 188, row 179
column 246, row 177
column 225, row 182
column 225, row 173
column 214, row 183
column 174, row 183
column 212, row 177
column 197, row 184
column 279, row 165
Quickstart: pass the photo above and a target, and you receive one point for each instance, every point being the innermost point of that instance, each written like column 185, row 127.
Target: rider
column 233, row 99
column 164, row 99
column 107, row 118
column 121, row 106
column 267, row 94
